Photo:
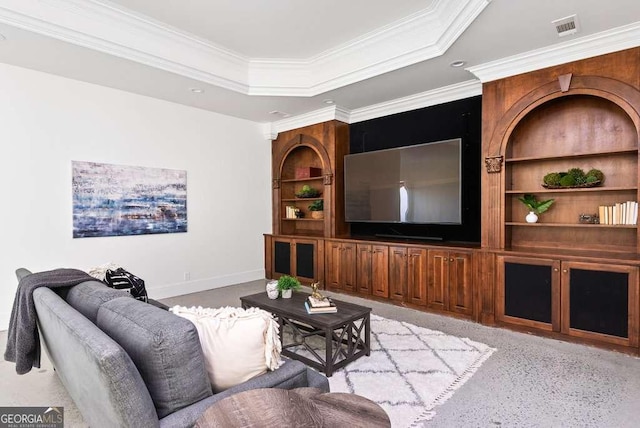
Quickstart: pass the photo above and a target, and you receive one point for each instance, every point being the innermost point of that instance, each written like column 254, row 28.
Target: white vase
column 272, row 289
column 286, row 294
column 531, row 217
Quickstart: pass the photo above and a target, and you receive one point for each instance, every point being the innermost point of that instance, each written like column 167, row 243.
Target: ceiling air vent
column 566, row 26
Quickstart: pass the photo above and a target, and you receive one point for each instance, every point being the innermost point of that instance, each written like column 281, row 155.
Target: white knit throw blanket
column 99, row 272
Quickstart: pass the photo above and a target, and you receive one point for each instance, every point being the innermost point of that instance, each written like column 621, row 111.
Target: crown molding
column 268, row 132
column 613, row 40
column 114, row 30
column 100, row 26
column 442, row 95
column 310, row 118
column 416, row 38
column 458, row 91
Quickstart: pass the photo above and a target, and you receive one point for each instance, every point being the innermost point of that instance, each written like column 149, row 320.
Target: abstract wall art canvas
column 116, row 200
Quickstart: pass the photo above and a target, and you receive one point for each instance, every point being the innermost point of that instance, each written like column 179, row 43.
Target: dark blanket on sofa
column 23, row 341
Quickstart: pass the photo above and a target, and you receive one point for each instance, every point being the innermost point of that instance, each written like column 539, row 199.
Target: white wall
column 47, row 121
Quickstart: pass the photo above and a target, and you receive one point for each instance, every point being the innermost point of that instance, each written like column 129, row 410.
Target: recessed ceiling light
column 457, row 64
column 196, row 90
column 328, row 101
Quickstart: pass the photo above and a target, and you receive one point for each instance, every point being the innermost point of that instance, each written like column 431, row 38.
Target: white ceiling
column 280, row 28
column 252, row 57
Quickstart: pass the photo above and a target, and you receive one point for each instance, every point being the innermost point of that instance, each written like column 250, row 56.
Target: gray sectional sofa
column 126, row 363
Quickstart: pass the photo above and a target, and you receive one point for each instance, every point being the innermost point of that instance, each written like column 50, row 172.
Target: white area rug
column 411, row 370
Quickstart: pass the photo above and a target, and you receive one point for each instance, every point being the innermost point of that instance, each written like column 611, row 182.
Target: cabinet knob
column 450, row 260
column 555, row 269
column 564, row 271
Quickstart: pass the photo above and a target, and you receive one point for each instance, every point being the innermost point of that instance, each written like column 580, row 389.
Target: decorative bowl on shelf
column 575, row 186
column 575, row 178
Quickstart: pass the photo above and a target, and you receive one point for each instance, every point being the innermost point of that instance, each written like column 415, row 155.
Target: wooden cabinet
column 299, row 257
column 528, row 292
column 559, row 275
column 340, row 265
column 372, row 276
column 450, row 281
column 586, row 300
column 310, row 156
column 407, row 274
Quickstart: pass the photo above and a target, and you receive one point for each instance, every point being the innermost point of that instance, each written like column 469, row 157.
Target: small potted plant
column 535, row 207
column 286, row 285
column 308, row 192
column 317, row 208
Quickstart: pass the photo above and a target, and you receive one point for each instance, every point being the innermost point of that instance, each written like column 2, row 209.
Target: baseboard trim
column 4, row 320
column 188, row 287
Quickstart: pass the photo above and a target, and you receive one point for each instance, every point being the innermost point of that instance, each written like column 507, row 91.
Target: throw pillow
column 165, row 348
column 238, row 344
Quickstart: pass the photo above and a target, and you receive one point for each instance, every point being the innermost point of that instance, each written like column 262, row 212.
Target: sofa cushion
column 88, row 296
column 164, row 347
column 238, row 344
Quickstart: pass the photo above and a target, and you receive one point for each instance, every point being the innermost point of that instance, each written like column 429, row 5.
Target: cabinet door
column 437, row 295
column 380, row 270
column 348, row 266
column 282, row 256
column 417, row 274
column 332, row 265
column 528, row 292
column 397, row 273
column 295, row 257
column 364, row 268
column 600, row 302
column 341, row 265
column 460, row 283
column 305, row 259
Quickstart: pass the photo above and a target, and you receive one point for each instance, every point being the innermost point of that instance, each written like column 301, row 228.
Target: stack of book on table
column 320, row 306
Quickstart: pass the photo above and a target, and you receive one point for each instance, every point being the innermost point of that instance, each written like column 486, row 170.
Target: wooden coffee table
column 347, row 334
column 301, row 407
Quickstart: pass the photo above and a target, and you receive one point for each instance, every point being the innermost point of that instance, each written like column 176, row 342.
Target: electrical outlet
column 187, row 276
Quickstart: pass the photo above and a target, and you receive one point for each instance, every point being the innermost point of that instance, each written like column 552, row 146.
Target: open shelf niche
column 574, row 131
column 300, row 158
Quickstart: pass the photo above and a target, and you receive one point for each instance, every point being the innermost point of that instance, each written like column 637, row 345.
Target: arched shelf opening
column 555, row 134
column 304, row 164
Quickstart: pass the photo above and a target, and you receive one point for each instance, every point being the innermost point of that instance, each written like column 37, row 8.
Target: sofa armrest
column 97, row 373
column 292, row 374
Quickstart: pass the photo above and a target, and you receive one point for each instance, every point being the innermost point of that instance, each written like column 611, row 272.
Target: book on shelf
column 619, row 213
column 321, row 310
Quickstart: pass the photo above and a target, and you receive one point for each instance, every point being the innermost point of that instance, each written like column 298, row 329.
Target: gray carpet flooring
column 529, row 382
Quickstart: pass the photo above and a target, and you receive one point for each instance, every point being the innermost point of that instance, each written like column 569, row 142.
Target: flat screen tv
column 419, row 184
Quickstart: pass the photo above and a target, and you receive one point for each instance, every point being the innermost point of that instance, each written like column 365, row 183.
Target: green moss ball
column 578, row 175
column 568, row 180
column 595, row 173
column 552, row 179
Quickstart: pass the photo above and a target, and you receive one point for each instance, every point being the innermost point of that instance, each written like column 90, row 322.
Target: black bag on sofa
column 124, row 280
